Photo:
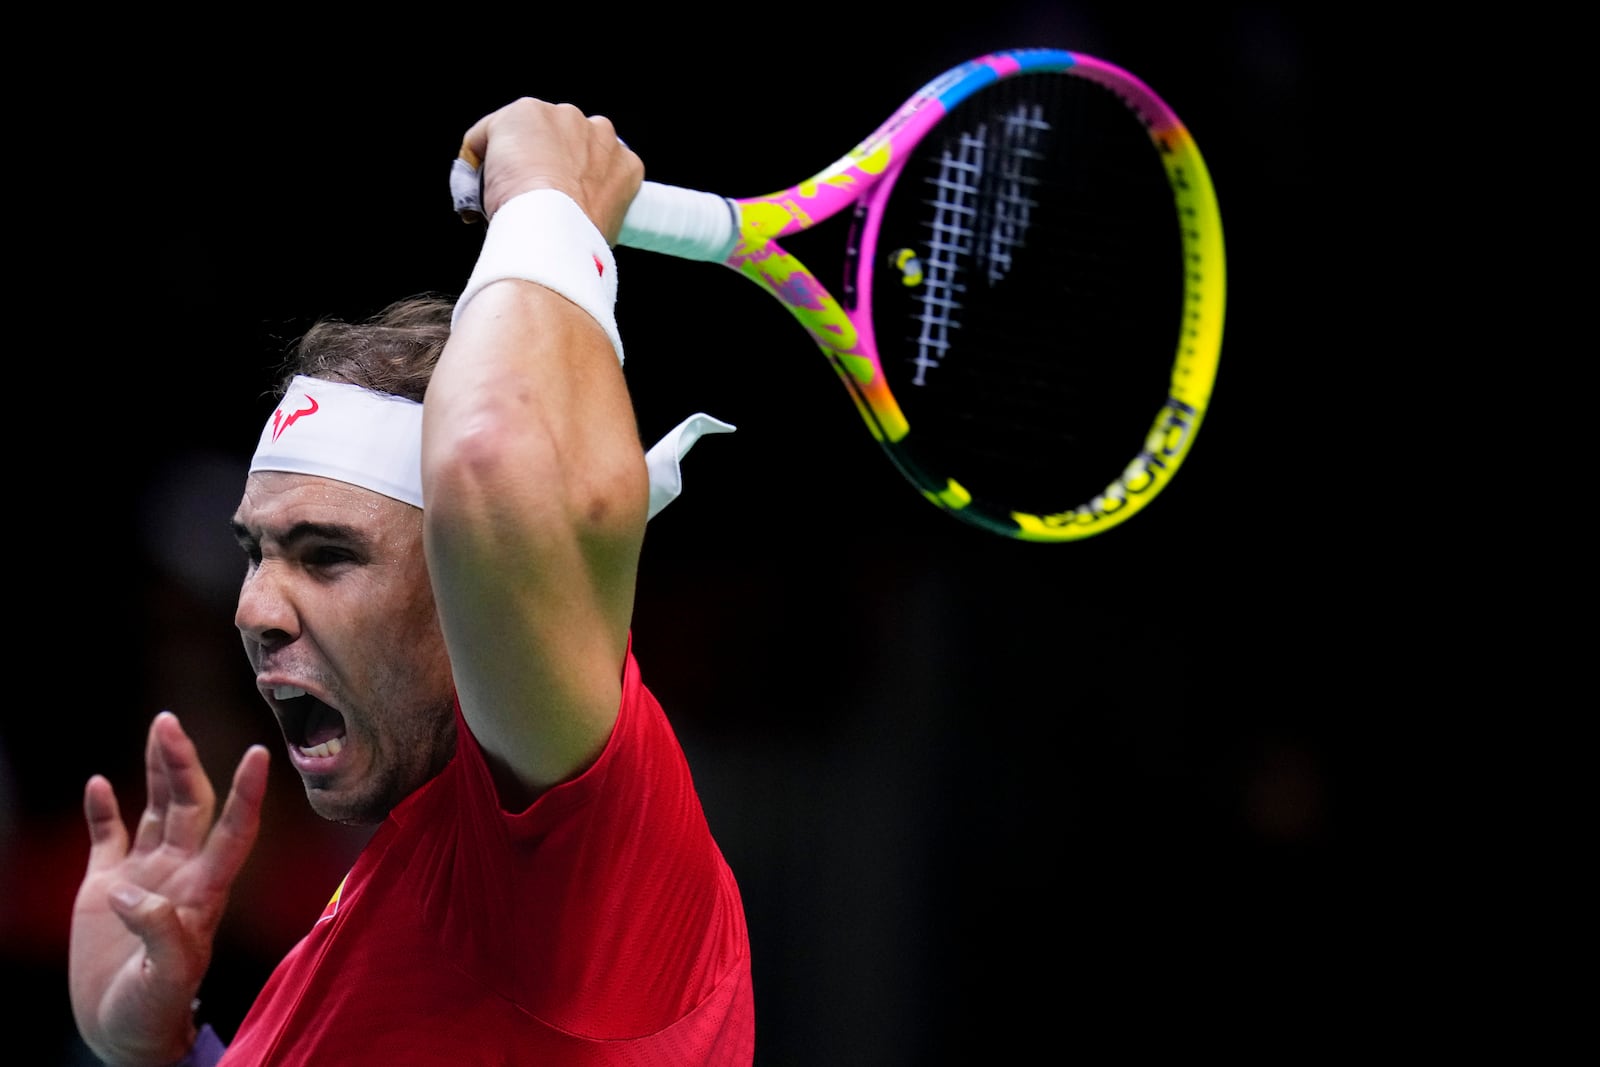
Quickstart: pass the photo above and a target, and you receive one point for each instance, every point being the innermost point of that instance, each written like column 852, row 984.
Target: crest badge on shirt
column 333, row 903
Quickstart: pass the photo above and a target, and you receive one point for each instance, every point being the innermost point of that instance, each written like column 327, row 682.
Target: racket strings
column 1039, row 342
column 1011, row 201
column 948, row 243
column 975, row 217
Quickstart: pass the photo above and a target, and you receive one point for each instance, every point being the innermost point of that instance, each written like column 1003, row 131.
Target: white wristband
column 543, row 236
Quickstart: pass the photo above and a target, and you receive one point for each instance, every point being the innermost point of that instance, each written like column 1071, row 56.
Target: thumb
column 152, row 918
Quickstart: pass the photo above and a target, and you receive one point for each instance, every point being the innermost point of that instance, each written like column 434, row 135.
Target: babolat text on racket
column 1029, row 312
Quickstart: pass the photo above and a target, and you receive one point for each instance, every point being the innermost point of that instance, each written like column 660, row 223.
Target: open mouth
column 314, row 729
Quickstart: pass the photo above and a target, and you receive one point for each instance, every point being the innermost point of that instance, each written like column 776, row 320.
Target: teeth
column 330, row 747
column 287, row 692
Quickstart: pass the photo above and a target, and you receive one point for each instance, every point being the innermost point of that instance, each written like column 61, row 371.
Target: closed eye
column 247, row 544
column 329, row 556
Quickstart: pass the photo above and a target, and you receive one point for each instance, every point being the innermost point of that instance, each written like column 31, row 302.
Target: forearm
column 537, row 496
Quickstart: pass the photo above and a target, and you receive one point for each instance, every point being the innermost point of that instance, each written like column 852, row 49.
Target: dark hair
column 392, row 352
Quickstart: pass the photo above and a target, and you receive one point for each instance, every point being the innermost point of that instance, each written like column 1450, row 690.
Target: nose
column 266, row 612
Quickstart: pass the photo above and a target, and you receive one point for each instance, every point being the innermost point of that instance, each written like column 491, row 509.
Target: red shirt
column 599, row 926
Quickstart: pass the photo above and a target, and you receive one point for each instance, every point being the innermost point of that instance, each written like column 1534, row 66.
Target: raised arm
column 533, row 472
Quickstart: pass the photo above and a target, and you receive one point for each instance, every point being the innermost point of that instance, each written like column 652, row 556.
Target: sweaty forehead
column 275, row 501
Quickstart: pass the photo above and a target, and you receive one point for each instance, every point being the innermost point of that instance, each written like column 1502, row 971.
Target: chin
column 341, row 807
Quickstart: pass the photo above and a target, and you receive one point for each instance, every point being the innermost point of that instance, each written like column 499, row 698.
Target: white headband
column 351, row 434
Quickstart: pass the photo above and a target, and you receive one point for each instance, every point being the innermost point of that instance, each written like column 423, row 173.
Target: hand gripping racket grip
column 662, row 218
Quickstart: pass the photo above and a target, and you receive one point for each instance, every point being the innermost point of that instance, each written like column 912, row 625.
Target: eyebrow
column 304, row 531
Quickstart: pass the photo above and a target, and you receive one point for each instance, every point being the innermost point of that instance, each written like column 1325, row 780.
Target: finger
column 173, row 968
column 235, row 834
column 191, row 802
column 108, row 837
column 475, row 143
column 466, row 175
column 180, row 798
column 606, row 137
column 147, row 835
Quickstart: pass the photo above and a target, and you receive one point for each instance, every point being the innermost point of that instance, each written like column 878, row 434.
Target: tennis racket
column 1030, row 307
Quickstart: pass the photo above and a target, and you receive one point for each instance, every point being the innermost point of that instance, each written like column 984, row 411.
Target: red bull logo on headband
column 281, row 422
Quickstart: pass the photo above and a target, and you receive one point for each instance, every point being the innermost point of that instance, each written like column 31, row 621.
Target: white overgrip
column 681, row 222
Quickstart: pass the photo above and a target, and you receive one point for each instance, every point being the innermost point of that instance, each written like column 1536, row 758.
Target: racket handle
column 681, row 222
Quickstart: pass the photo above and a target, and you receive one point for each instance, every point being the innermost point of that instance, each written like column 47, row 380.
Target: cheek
column 416, row 629
column 408, row 674
column 430, row 664
column 401, row 630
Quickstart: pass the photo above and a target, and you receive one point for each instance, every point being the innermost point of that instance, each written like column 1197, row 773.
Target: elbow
column 505, row 473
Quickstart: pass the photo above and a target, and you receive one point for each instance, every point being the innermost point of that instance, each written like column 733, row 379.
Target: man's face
column 339, row 625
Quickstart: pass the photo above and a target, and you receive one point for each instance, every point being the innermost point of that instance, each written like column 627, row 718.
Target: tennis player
column 437, row 605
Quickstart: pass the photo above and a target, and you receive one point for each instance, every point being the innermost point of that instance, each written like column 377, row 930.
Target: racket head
column 1030, row 311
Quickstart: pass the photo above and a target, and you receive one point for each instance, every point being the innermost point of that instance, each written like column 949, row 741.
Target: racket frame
column 744, row 234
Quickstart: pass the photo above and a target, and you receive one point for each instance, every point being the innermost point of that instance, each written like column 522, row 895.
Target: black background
column 979, row 794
